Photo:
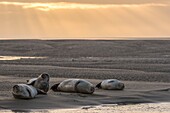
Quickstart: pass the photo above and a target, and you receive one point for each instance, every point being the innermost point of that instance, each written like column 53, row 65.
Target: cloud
column 66, row 5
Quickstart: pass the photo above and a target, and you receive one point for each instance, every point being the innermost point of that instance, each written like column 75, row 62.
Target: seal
column 111, row 84
column 41, row 82
column 24, row 91
column 74, row 85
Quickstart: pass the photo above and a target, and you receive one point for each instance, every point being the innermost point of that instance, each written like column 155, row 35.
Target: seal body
column 24, row 91
column 41, row 82
column 74, row 85
column 111, row 84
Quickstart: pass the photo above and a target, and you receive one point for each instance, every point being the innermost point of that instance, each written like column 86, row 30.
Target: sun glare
column 65, row 5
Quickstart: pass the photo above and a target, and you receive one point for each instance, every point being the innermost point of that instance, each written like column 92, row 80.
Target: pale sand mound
column 139, row 108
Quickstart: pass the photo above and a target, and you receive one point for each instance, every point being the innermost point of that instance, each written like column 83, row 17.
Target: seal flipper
column 76, row 89
column 55, row 87
column 41, row 92
column 31, row 81
column 99, row 85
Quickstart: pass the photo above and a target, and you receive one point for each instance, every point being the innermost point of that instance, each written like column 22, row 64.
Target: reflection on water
column 18, row 57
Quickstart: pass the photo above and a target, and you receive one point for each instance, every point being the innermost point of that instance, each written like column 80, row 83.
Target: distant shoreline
column 91, row 38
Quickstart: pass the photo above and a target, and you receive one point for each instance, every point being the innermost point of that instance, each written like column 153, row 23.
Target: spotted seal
column 74, row 85
column 41, row 82
column 111, row 84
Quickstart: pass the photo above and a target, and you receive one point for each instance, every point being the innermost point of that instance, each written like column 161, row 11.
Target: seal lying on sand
column 74, row 85
column 111, row 84
column 42, row 82
column 24, row 91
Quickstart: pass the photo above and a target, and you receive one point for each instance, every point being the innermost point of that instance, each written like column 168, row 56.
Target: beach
column 142, row 65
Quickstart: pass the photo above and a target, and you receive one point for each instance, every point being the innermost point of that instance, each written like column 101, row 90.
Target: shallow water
column 18, row 57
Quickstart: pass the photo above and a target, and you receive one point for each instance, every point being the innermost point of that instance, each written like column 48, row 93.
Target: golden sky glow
column 57, row 20
column 65, row 5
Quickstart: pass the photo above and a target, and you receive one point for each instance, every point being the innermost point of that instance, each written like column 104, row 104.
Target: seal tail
column 99, row 85
column 55, row 87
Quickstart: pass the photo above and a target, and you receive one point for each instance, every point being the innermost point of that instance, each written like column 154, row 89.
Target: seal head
column 41, row 83
column 24, row 91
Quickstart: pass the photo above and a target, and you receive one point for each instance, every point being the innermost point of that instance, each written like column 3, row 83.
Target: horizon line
column 94, row 38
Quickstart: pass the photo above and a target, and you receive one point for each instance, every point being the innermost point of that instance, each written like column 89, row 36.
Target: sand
column 139, row 108
column 142, row 65
column 134, row 93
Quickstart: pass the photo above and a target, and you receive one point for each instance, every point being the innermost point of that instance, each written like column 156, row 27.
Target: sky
column 84, row 19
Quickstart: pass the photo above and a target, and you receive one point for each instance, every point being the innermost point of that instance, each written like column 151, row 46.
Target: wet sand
column 134, row 93
column 142, row 65
column 139, row 108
